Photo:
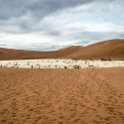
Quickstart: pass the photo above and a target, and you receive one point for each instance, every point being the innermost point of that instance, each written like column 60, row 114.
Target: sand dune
column 89, row 96
column 112, row 49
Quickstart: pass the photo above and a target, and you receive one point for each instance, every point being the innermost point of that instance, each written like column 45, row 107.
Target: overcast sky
column 53, row 24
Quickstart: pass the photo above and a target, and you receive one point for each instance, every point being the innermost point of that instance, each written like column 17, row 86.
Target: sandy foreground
column 86, row 96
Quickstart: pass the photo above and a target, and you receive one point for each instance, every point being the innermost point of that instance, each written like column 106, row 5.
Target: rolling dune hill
column 112, row 49
column 8, row 54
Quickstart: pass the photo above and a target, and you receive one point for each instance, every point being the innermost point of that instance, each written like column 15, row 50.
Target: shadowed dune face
column 89, row 96
column 112, row 49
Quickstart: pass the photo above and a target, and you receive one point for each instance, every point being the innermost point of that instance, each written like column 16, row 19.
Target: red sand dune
column 112, row 49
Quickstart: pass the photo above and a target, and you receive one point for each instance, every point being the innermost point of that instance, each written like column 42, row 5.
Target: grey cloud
column 39, row 8
column 15, row 12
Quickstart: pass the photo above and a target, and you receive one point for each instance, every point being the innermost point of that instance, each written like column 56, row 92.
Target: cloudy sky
column 53, row 24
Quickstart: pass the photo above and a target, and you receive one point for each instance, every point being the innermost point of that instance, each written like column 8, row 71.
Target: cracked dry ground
column 87, row 96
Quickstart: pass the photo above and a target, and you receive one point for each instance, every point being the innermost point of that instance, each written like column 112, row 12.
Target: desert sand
column 86, row 96
column 110, row 49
